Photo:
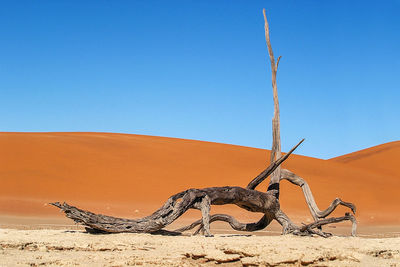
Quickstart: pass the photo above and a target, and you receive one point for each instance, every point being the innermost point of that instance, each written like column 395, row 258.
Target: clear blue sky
column 199, row 70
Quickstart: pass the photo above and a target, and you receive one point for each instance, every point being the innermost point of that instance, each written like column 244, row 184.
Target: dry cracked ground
column 77, row 248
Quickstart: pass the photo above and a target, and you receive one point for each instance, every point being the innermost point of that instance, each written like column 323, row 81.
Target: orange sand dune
column 131, row 175
column 382, row 159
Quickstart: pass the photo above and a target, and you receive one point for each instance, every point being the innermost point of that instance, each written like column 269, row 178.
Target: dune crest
column 380, row 159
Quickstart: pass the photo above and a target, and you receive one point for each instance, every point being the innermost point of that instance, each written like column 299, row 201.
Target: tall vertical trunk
column 276, row 135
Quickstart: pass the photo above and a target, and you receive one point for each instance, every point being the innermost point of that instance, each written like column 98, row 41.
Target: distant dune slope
column 131, row 175
column 383, row 159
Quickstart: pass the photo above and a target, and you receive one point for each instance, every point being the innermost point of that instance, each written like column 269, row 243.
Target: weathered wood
column 288, row 227
column 279, row 174
column 201, row 199
column 247, row 198
column 315, row 211
column 347, row 217
column 235, row 224
column 276, row 138
column 275, row 164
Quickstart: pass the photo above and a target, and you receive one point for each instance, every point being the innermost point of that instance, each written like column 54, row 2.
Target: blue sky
column 200, row 70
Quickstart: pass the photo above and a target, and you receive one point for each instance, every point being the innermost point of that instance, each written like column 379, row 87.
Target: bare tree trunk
column 279, row 174
column 247, row 198
column 276, row 137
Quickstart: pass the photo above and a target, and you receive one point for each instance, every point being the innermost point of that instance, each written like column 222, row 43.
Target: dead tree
column 247, row 198
column 279, row 174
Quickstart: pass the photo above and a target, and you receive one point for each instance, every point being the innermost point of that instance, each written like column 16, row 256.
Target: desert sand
column 132, row 175
column 382, row 159
column 76, row 248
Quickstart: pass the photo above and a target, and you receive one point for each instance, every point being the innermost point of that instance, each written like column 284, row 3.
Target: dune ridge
column 132, row 175
column 381, row 159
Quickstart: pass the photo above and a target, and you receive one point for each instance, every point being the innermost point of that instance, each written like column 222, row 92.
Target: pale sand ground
column 74, row 247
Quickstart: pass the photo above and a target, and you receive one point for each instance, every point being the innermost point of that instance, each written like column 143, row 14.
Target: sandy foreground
column 75, row 247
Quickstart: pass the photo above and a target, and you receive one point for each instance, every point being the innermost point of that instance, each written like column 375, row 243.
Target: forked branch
column 275, row 164
column 315, row 211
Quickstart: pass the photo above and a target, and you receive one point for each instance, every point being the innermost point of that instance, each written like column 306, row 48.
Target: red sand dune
column 382, row 159
column 131, row 175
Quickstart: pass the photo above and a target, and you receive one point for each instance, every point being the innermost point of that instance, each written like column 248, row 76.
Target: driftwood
column 247, row 198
